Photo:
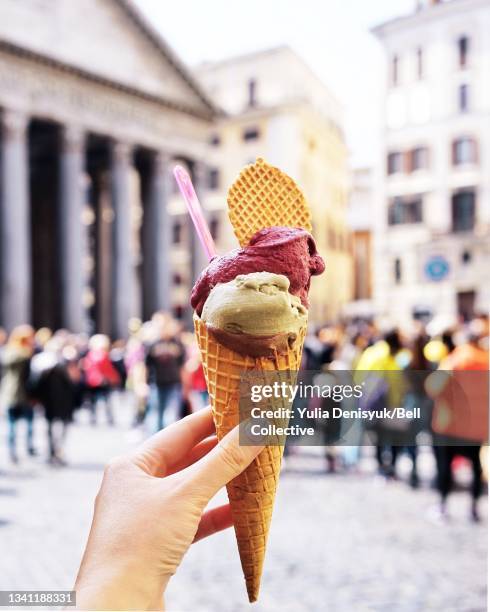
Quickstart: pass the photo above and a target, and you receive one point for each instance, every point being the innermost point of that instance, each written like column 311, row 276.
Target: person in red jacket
column 100, row 375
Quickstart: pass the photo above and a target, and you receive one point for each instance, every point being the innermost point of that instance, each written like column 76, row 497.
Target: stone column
column 157, row 281
column 123, row 285
column 72, row 229
column 15, row 226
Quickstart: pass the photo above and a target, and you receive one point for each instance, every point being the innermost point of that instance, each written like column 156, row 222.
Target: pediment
column 106, row 38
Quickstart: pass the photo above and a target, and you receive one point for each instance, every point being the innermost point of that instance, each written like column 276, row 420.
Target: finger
column 194, row 455
column 214, row 520
column 222, row 464
column 171, row 445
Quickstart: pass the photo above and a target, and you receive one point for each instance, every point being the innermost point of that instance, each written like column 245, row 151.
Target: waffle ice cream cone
column 252, row 493
column 264, row 196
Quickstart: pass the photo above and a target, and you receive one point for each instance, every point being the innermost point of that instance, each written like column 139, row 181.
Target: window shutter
column 407, row 161
column 474, row 143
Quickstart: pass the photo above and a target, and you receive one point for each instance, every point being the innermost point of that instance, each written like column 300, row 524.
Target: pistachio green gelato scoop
column 258, row 303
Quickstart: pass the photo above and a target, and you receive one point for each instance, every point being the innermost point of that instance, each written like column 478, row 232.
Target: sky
column 332, row 36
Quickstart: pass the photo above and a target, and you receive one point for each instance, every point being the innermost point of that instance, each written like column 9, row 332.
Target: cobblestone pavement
column 341, row 543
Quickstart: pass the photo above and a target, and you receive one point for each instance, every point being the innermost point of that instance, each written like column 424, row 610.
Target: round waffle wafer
column 263, row 196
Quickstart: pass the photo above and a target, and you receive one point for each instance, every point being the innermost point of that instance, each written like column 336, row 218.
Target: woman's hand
column 149, row 510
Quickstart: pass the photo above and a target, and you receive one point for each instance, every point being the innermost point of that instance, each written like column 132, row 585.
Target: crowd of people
column 159, row 368
column 453, row 416
column 58, row 373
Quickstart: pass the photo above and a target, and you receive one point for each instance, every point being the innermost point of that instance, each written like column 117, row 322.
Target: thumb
column 227, row 460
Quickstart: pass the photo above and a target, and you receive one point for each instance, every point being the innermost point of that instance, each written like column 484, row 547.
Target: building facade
column 276, row 108
column 94, row 110
column 361, row 223
column 432, row 235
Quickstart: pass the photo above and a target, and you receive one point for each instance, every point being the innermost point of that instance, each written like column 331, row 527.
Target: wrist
column 111, row 587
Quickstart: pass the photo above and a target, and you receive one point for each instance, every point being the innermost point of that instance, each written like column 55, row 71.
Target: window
column 214, row 228
column 463, row 47
column 397, row 270
column 419, row 158
column 466, row 304
column 177, row 232
column 215, row 140
column 395, row 162
column 251, row 133
column 178, row 311
column 466, row 257
column 420, row 63
column 405, row 210
column 394, row 70
column 463, row 210
column 177, row 278
column 464, row 151
column 463, row 98
column 213, row 178
column 252, row 92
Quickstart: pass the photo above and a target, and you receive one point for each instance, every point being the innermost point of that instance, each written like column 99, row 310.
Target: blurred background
column 381, row 113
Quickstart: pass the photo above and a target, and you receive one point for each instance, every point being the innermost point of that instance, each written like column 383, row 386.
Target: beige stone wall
column 323, row 177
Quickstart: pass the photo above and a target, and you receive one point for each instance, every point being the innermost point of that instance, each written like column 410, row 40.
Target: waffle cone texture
column 252, row 493
column 264, row 196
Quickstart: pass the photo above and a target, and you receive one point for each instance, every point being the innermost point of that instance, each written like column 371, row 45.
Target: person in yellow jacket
column 384, row 389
